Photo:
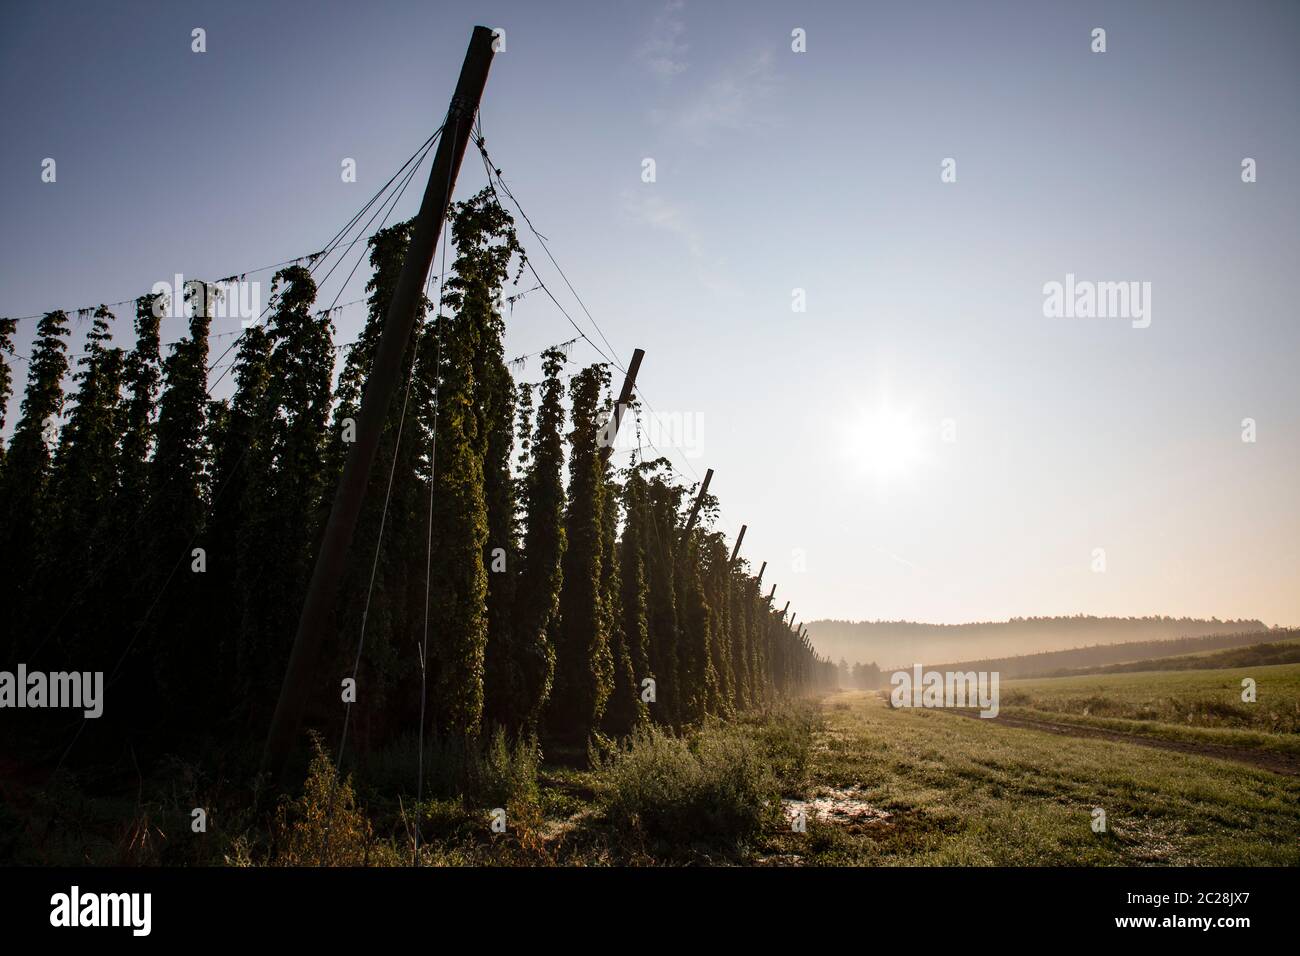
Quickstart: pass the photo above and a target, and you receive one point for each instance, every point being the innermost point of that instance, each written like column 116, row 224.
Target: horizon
column 1049, row 617
column 891, row 644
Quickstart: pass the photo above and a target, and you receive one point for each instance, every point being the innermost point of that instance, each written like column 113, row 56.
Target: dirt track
column 1285, row 764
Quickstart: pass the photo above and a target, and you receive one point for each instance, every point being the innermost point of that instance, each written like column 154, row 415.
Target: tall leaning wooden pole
column 322, row 592
column 625, row 393
column 695, row 508
column 736, row 550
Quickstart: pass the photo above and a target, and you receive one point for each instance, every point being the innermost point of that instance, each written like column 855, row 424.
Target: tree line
column 166, row 538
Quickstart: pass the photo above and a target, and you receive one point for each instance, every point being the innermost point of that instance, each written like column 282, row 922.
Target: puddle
column 836, row 806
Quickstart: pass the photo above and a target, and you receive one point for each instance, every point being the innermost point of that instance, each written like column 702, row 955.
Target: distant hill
column 1285, row 649
column 893, row 644
column 1091, row 660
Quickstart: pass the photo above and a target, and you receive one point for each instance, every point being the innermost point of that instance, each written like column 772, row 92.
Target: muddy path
column 1285, row 764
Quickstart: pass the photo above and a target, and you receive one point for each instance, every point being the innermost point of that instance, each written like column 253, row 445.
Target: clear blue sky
column 778, row 170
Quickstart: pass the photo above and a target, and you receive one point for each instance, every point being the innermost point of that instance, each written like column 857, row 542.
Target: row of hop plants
column 563, row 599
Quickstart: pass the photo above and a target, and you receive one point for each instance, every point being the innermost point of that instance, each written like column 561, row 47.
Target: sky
column 921, row 441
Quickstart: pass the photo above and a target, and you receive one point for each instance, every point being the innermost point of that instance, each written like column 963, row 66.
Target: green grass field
column 1202, row 706
column 875, row 785
column 880, row 786
column 1253, row 655
column 970, row 792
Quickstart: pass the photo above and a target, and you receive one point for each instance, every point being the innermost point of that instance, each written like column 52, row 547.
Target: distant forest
column 894, row 644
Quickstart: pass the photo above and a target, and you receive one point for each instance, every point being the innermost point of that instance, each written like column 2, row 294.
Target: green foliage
column 7, row 327
column 473, row 510
column 538, row 594
column 458, row 578
column 83, row 485
column 26, row 475
column 391, row 550
column 699, row 679
column 630, row 634
column 785, row 734
column 238, row 451
column 142, row 375
column 121, row 588
column 712, row 788
column 545, row 603
column 283, row 403
column 635, row 587
column 24, row 485
column 492, row 771
column 716, row 573
column 84, row 468
column 583, row 661
column 502, row 678
column 178, row 506
column 659, row 502
column 486, row 244
column 325, row 826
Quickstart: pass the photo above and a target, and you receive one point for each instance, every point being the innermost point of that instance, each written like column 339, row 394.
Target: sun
column 885, row 443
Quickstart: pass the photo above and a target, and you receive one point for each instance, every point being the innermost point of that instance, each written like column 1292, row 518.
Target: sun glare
column 885, row 443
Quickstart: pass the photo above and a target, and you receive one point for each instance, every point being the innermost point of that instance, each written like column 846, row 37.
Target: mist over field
column 893, row 644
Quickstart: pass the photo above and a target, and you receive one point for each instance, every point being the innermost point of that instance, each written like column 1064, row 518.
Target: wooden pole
column 771, row 594
column 739, row 538
column 318, row 610
column 695, row 508
column 758, row 581
column 609, row 431
column 784, row 609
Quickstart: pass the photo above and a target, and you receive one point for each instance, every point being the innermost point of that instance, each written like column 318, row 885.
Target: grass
column 1200, row 706
column 880, row 786
column 1272, row 652
column 491, row 773
column 971, row 792
column 713, row 788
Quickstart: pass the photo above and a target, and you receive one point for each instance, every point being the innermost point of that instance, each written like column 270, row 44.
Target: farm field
column 1198, row 706
column 975, row 792
column 1270, row 652
column 1291, row 645
column 880, row 786
column 875, row 786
